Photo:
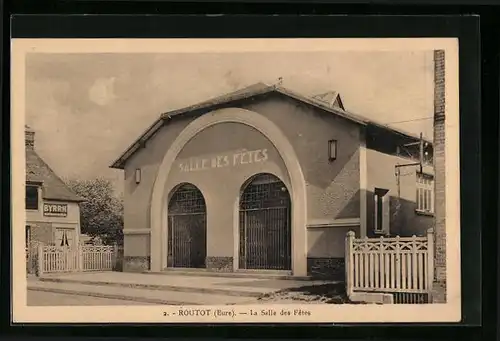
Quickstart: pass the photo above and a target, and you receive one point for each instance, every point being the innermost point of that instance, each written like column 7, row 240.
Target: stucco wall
column 332, row 187
column 73, row 216
column 137, row 196
column 326, row 251
column 381, row 174
column 43, row 227
column 328, row 242
column 221, row 182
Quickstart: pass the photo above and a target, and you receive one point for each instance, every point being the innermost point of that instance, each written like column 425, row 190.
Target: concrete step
column 191, row 288
column 163, row 297
column 281, row 275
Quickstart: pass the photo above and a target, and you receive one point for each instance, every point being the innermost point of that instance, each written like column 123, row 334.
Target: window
column 425, row 193
column 64, row 237
column 381, row 211
column 31, row 197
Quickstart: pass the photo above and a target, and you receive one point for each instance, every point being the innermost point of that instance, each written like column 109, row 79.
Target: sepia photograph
column 243, row 180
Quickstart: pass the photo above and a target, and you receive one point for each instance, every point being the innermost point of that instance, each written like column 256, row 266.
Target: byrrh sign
column 55, row 210
column 225, row 160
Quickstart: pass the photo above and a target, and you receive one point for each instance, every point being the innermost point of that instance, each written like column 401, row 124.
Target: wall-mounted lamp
column 138, row 175
column 332, row 150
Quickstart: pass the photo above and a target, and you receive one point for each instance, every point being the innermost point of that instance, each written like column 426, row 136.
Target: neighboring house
column 52, row 209
column 267, row 179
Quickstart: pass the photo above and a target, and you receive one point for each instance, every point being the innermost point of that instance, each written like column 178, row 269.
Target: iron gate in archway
column 187, row 228
column 265, row 229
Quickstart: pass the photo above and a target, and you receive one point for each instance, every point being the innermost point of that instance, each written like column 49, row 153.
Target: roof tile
column 53, row 187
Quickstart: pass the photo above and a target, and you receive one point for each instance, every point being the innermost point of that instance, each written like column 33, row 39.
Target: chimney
column 439, row 84
column 439, row 178
column 29, row 138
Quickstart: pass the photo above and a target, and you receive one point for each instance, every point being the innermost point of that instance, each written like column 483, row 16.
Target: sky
column 86, row 109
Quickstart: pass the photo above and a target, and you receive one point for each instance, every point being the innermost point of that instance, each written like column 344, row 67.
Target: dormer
column 331, row 99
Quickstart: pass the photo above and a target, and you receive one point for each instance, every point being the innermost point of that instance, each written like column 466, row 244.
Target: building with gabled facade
column 267, row 180
column 52, row 209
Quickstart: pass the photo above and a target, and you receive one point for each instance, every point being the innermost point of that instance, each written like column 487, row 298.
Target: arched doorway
column 265, row 228
column 187, row 228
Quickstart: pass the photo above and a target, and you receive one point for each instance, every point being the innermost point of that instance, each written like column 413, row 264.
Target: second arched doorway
column 265, row 226
column 187, row 228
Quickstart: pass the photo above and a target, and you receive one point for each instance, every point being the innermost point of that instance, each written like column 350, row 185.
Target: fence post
column 414, row 261
column 114, row 262
column 40, row 262
column 349, row 267
column 398, row 263
column 430, row 259
column 80, row 257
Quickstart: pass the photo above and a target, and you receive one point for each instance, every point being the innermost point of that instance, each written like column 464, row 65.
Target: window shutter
column 375, row 210
column 386, row 214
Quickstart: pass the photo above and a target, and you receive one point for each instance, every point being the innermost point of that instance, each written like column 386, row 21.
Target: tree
column 101, row 215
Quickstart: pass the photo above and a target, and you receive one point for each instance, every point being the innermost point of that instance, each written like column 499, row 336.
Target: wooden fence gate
column 60, row 259
column 98, row 257
column 401, row 266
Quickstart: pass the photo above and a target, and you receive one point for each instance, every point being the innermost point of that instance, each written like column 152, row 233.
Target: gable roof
column 53, row 188
column 328, row 102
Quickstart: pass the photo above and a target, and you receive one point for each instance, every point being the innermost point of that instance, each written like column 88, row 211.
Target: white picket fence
column 56, row 259
column 402, row 266
column 97, row 258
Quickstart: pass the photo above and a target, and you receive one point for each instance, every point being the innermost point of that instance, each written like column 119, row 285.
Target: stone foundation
column 222, row 264
column 371, row 297
column 118, row 265
column 332, row 268
column 439, row 292
column 136, row 263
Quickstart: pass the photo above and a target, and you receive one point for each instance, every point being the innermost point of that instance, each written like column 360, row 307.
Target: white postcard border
column 320, row 313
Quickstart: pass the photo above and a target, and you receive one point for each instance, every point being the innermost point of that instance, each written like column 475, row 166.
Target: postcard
column 235, row 180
